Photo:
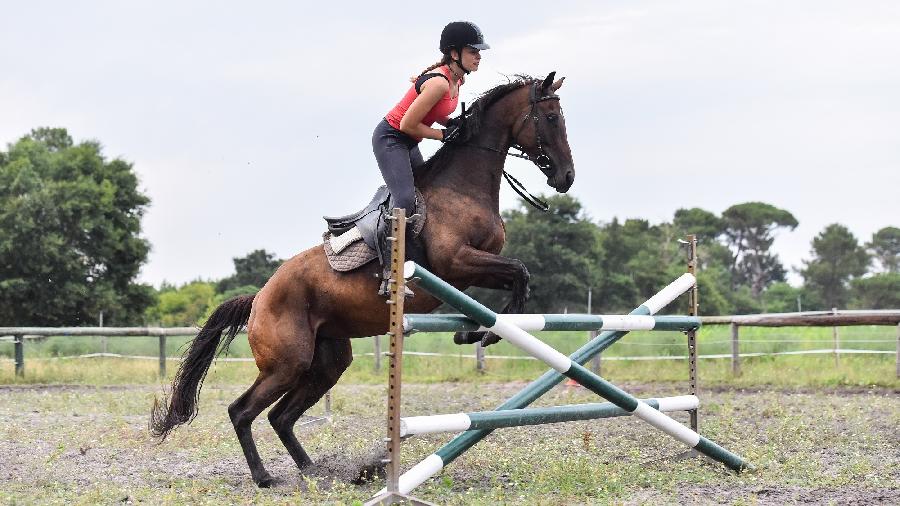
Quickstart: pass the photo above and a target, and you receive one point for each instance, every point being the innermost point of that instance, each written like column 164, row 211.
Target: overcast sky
column 248, row 121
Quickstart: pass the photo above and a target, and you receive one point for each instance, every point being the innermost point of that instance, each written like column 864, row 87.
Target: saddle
column 358, row 238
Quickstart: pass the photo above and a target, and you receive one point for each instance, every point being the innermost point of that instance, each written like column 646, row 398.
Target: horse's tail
column 181, row 405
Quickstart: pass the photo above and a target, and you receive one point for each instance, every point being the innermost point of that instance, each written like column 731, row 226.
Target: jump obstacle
column 514, row 328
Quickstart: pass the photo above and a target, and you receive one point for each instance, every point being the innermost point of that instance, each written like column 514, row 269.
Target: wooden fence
column 19, row 334
column 834, row 318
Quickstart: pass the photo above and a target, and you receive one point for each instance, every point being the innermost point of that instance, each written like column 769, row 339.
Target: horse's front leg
column 487, row 270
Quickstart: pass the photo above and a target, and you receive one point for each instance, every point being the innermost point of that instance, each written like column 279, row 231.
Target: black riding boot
column 414, row 252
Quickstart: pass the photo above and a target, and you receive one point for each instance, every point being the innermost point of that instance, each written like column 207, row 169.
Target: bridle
column 542, row 160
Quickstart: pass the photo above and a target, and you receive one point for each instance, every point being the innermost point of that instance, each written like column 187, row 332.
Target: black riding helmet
column 460, row 34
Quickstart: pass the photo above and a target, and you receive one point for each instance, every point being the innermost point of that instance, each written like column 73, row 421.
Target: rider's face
column 471, row 58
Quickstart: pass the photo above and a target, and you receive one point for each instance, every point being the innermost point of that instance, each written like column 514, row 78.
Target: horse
column 300, row 323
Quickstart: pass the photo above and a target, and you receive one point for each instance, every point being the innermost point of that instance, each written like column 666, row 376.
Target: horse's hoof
column 467, row 337
column 266, row 481
column 489, row 339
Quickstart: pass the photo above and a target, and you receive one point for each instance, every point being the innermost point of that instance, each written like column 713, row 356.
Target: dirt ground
column 76, row 444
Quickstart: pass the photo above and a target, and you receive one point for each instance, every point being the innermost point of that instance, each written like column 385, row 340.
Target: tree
column 252, row 270
column 700, row 222
column 561, row 251
column 781, row 298
column 750, row 231
column 70, row 223
column 837, row 258
column 183, row 306
column 881, row 291
column 885, row 247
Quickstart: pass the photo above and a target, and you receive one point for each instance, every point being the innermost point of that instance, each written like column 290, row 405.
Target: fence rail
column 833, row 318
column 19, row 334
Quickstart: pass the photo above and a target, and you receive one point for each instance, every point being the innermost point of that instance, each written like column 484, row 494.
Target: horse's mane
column 475, row 115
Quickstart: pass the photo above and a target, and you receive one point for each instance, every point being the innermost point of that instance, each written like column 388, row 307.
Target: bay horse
column 300, row 323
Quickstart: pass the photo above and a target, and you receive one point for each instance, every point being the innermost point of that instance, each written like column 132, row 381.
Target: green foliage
column 254, row 269
column 700, row 222
column 183, row 307
column 749, row 232
column 627, row 262
column 69, row 234
column 837, row 258
column 781, row 298
column 713, row 285
column 219, row 298
column 560, row 249
column 885, row 247
column 881, row 291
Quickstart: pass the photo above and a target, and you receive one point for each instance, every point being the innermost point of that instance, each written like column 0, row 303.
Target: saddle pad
column 355, row 254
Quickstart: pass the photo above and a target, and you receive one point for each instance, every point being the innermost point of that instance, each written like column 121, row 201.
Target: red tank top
column 444, row 107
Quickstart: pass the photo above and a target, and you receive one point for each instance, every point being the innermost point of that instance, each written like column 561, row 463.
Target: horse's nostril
column 570, row 177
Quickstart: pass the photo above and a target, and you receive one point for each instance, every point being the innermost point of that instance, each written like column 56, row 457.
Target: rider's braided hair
column 444, row 61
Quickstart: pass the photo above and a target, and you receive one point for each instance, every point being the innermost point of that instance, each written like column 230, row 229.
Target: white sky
column 247, row 122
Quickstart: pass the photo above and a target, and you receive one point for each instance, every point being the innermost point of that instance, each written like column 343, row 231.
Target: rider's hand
column 451, row 133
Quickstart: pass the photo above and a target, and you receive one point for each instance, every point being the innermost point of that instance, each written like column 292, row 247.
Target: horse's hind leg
column 264, row 391
column 331, row 359
column 283, row 348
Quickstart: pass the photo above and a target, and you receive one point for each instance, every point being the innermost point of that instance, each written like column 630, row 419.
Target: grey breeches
column 397, row 155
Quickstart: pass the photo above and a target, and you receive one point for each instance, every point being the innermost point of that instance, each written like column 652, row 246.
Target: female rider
column 433, row 95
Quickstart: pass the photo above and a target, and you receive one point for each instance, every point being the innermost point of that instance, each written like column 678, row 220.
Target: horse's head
column 540, row 132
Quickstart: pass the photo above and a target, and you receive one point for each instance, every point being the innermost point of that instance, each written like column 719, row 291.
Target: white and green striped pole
column 459, row 422
column 534, row 390
column 538, row 322
column 568, row 367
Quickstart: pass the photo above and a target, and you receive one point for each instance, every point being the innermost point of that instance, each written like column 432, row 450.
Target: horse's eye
column 552, row 117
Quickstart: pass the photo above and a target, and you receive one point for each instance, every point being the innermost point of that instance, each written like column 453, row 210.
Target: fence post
column 479, row 357
column 377, row 353
column 898, row 350
column 834, row 331
column 19, row 341
column 735, row 351
column 104, row 339
column 162, row 355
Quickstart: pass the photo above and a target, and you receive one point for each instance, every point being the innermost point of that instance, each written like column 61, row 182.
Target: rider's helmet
column 460, row 34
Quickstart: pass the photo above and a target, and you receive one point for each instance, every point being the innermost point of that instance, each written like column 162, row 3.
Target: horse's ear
column 555, row 86
column 545, row 86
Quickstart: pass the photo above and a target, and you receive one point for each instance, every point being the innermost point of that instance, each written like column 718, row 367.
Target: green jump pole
column 459, row 422
column 537, row 322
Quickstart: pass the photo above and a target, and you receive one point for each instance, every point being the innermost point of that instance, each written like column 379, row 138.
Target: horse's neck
column 471, row 172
